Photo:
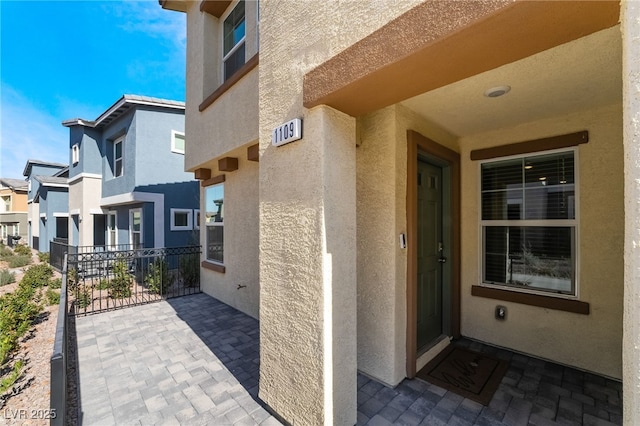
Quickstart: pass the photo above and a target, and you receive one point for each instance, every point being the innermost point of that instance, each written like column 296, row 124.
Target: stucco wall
column 231, row 121
column 240, row 240
column 297, row 195
column 381, row 218
column 591, row 342
column 631, row 101
column 84, row 196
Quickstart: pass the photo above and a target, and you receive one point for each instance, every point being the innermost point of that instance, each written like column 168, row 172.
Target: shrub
column 7, row 277
column 10, row 379
column 22, row 250
column 55, row 283
column 5, row 251
column 158, row 278
column 190, row 269
column 18, row 310
column 19, row 261
column 103, row 284
column 83, row 296
column 44, row 257
column 121, row 282
column 52, row 297
column 37, row 276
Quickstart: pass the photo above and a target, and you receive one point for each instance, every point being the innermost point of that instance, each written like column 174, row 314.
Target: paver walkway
column 194, row 360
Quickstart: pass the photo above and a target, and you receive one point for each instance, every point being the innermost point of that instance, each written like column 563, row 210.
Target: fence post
column 58, row 380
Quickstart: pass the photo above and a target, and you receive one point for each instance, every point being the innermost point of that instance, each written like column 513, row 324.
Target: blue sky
column 74, row 59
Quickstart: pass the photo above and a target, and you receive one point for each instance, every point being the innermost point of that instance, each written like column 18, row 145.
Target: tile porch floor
column 194, row 360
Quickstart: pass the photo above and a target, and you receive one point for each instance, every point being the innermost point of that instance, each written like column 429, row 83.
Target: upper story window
column 177, row 142
column 233, row 39
column 6, row 203
column 529, row 222
column 75, row 154
column 117, row 157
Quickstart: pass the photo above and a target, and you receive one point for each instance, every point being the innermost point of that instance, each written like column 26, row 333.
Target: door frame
column 419, row 143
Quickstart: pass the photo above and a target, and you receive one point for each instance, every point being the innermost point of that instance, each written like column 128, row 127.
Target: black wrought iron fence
column 57, row 250
column 59, row 361
column 100, row 279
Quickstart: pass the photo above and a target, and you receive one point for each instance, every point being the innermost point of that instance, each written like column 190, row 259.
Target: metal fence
column 57, row 250
column 102, row 279
column 59, row 360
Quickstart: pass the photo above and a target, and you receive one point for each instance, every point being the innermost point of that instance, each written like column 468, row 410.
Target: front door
column 430, row 254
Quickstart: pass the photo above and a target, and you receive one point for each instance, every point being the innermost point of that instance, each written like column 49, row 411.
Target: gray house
column 48, row 200
column 127, row 184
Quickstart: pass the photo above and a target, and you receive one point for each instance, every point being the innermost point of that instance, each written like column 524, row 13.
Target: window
column 529, row 224
column 75, row 154
column 181, row 219
column 214, row 221
column 6, row 203
column 117, row 157
column 62, row 227
column 112, row 230
column 177, row 142
column 135, row 228
column 196, row 220
column 233, row 40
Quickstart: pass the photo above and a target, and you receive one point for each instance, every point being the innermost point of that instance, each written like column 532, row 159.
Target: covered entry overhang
column 433, row 70
column 438, row 43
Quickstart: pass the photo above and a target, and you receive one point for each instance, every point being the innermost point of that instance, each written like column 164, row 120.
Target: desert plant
column 103, row 284
column 121, row 282
column 37, row 276
column 18, row 310
column 55, row 283
column 5, row 251
column 52, row 297
column 12, row 377
column 7, row 277
column 22, row 250
column 83, row 296
column 19, row 261
column 190, row 269
column 44, row 257
column 158, row 278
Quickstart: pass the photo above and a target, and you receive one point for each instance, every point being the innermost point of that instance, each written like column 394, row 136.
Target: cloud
column 149, row 18
column 26, row 132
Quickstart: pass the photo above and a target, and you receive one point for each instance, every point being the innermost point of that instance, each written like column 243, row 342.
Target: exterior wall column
column 308, row 365
column 630, row 19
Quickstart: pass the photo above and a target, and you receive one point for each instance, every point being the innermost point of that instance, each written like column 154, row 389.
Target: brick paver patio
column 194, row 360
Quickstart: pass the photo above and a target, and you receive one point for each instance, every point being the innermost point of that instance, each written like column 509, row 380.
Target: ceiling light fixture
column 497, row 91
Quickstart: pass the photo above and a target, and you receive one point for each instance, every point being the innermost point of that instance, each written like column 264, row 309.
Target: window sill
column 213, row 266
column 556, row 303
column 244, row 70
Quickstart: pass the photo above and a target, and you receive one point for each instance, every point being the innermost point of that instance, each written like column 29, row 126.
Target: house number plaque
column 288, row 132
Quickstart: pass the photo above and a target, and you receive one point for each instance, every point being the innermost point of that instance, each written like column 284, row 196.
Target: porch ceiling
column 579, row 75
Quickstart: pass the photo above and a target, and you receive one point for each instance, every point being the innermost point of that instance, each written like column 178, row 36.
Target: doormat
column 470, row 374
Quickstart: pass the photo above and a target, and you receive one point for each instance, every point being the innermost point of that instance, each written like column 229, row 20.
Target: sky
column 74, row 59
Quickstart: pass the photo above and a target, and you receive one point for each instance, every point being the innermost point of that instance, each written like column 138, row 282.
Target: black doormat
column 470, row 374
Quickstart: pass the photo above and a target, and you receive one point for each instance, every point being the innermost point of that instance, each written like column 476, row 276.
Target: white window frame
column 241, row 42
column 572, row 223
column 188, row 226
column 75, row 154
column 131, row 231
column 218, row 224
column 112, row 244
column 196, row 219
column 120, row 141
column 176, row 134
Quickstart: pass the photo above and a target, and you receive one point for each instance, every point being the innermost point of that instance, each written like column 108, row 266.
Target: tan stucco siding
column 239, row 285
column 231, row 121
column 18, row 200
column 381, row 218
column 591, row 342
column 84, row 197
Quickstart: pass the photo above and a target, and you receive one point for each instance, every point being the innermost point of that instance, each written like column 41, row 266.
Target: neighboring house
column 455, row 162
column 13, row 209
column 48, row 199
column 127, row 184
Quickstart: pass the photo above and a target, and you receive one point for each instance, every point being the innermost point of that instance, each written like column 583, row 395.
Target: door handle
column 442, row 259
